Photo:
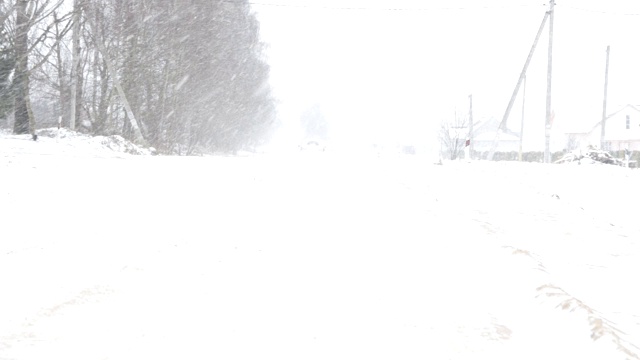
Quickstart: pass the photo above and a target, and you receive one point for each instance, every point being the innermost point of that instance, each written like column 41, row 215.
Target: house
column 486, row 134
column 622, row 132
column 485, row 138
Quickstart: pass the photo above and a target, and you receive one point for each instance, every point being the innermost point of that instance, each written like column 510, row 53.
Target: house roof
column 491, row 136
column 628, row 106
column 487, row 129
column 599, row 122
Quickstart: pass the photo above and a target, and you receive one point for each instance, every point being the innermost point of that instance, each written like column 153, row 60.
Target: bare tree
column 21, row 125
column 51, row 80
column 453, row 137
column 192, row 70
column 572, row 142
column 37, row 16
column 7, row 58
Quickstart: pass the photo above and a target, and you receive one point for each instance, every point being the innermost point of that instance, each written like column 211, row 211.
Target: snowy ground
column 107, row 255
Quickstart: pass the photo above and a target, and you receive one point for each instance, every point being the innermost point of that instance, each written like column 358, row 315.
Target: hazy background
column 391, row 71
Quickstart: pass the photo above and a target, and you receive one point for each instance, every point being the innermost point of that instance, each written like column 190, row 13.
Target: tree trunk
column 75, row 64
column 63, row 86
column 22, row 124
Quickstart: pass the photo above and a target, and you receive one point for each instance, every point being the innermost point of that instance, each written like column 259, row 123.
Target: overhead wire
column 602, row 12
column 272, row 4
column 376, row 8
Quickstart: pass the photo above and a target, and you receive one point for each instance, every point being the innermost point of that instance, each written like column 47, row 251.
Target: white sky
column 393, row 75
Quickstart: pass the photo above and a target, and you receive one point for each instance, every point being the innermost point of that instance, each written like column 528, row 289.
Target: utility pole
column 547, row 134
column 524, row 94
column 523, row 73
column 604, row 102
column 75, row 62
column 470, row 126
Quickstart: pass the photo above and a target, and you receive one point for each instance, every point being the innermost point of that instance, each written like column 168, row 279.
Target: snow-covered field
column 107, row 255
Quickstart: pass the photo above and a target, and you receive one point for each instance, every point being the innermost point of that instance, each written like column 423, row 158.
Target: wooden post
column 604, row 103
column 524, row 94
column 470, row 126
column 523, row 73
column 139, row 138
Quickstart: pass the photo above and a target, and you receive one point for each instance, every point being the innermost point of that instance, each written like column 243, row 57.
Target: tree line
column 183, row 76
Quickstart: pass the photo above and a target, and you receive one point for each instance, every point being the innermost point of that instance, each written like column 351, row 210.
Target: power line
column 601, row 12
column 259, row 3
column 421, row 9
column 391, row 9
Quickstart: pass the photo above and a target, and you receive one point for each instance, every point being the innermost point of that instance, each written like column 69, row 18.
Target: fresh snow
column 109, row 255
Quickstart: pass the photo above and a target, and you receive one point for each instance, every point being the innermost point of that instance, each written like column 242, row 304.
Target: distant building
column 486, row 133
column 622, row 132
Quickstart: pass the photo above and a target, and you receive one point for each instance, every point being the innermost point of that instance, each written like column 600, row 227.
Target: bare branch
column 7, row 14
column 453, row 136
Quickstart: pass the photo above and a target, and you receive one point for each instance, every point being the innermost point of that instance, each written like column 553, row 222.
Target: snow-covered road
column 314, row 256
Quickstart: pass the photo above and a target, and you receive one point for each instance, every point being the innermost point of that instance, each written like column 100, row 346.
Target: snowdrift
column 591, row 155
column 108, row 255
column 53, row 141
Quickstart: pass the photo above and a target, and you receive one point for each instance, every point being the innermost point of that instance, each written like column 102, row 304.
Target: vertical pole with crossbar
column 547, row 133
